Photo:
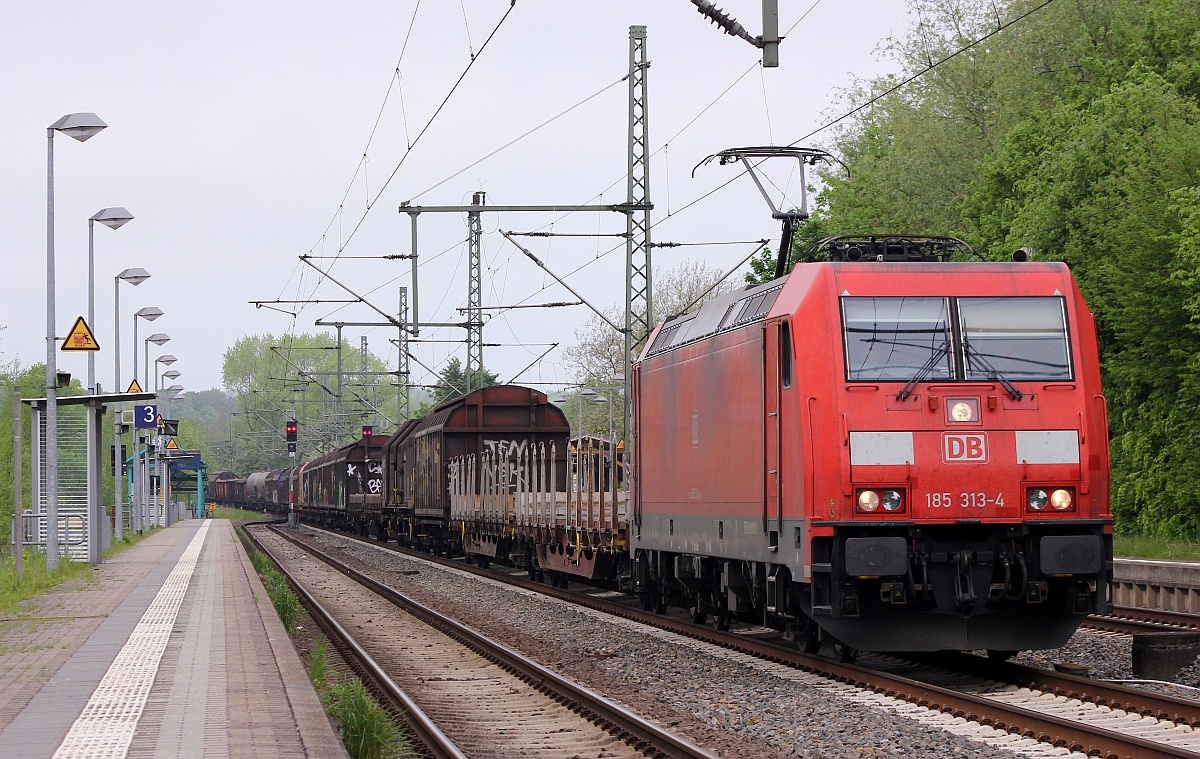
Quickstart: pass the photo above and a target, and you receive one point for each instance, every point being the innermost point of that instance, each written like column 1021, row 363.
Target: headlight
column 1061, row 500
column 892, row 500
column 960, row 410
column 1037, row 499
column 868, row 501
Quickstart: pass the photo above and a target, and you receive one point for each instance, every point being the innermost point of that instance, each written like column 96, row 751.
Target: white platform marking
column 106, row 726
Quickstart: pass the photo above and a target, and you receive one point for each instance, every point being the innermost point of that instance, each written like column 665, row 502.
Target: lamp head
column 175, row 388
column 80, row 126
column 159, row 338
column 113, row 218
column 134, row 276
column 173, row 374
column 165, row 358
column 149, row 313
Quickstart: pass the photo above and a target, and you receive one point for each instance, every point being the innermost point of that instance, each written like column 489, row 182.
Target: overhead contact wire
column 921, row 73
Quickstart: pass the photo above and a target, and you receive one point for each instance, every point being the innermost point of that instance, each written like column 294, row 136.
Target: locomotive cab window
column 785, row 353
column 1014, row 338
column 965, row 339
column 896, row 338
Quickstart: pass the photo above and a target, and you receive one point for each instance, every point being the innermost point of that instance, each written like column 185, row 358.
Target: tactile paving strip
column 106, row 726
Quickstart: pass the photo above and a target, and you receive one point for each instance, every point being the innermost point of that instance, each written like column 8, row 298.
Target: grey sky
column 235, row 130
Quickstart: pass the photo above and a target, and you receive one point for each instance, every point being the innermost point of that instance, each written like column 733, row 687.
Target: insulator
column 722, row 19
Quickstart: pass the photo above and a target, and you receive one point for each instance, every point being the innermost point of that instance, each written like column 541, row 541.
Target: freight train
column 885, row 448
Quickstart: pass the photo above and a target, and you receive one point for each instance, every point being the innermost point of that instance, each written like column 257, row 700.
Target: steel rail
column 1045, row 728
column 436, row 743
column 642, row 734
column 1182, row 711
column 1178, row 620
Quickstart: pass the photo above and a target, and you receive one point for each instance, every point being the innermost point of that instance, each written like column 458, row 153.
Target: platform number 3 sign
column 145, row 417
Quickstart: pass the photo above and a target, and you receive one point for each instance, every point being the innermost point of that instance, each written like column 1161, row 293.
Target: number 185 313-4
column 967, row 500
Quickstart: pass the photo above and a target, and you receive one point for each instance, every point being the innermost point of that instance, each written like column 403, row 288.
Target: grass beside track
column 239, row 515
column 367, row 730
column 1143, row 547
column 35, row 579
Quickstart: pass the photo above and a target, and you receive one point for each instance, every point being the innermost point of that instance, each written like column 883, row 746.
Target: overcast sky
column 237, row 132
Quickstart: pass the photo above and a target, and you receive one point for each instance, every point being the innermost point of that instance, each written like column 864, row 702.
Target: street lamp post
column 134, row 276
column 160, row 339
column 172, row 392
column 113, row 218
column 166, row 359
column 149, row 313
column 81, row 127
column 604, row 401
column 170, row 395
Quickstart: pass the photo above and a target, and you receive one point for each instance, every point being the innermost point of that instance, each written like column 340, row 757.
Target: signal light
column 368, row 430
column 291, row 430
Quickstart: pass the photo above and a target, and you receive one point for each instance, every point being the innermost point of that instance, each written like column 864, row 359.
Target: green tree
column 271, row 378
column 1074, row 132
column 453, row 382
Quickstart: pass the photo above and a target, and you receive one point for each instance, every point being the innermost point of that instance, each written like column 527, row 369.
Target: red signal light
column 291, row 430
column 368, row 430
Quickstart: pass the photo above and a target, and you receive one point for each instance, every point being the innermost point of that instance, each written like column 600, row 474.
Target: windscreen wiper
column 938, row 354
column 974, row 356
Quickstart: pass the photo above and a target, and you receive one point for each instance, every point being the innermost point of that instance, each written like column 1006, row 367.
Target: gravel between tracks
column 729, row 703
column 1108, row 656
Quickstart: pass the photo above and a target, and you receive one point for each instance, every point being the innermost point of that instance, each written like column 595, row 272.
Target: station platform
column 169, row 649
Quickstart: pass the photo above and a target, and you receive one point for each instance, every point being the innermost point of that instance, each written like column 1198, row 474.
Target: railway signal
column 291, row 435
column 368, row 430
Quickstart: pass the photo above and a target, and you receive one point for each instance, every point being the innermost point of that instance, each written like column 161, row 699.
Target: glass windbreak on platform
column 929, row 339
column 1015, row 338
column 896, row 338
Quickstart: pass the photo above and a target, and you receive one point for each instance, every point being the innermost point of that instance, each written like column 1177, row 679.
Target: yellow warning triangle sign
column 172, row 445
column 134, row 387
column 80, row 338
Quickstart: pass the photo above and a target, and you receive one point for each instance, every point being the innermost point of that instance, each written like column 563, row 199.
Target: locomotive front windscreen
column 895, row 338
column 918, row 339
column 1015, row 338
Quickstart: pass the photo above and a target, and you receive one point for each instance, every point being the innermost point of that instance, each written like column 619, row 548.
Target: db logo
column 961, row 449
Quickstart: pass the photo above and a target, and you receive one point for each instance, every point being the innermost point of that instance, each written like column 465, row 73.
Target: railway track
column 1079, row 713
column 467, row 694
column 1131, row 620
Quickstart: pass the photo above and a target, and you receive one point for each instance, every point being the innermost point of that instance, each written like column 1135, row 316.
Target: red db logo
column 963, row 449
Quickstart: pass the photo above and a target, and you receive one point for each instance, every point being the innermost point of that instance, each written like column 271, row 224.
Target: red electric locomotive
column 887, row 448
